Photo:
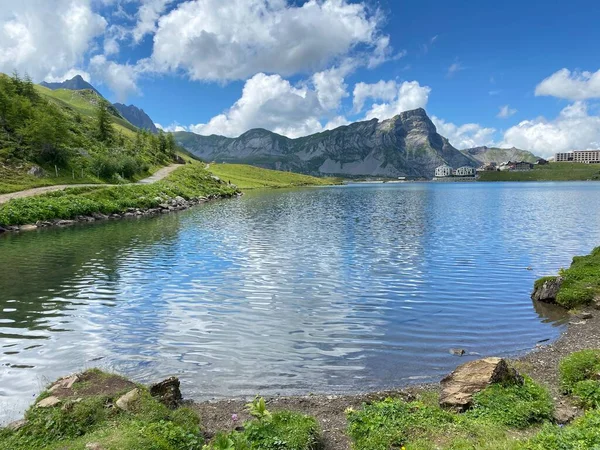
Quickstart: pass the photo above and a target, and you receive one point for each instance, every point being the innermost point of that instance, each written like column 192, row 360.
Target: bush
column 581, row 281
column 582, row 434
column 587, row 393
column 579, row 366
column 516, row 406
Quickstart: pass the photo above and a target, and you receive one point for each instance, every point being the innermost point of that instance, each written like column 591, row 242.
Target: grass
column 13, row 179
column 190, row 181
column 561, row 171
column 582, row 434
column 580, row 376
column 250, row 177
column 581, row 283
column 74, row 423
column 422, row 424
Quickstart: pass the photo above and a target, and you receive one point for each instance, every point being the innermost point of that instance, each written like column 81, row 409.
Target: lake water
column 334, row 289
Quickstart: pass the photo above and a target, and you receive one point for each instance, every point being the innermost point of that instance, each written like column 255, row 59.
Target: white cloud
column 464, row 136
column 330, row 87
column 573, row 129
column 147, row 16
column 120, row 78
column 382, row 90
column 454, row 68
column 172, row 128
column 271, row 102
column 571, row 85
column 68, row 75
column 46, row 38
column 506, row 111
column 216, row 40
column 408, row 95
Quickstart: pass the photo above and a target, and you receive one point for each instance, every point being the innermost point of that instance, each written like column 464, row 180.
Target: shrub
column 581, row 281
column 516, row 406
column 588, row 393
column 579, row 366
column 583, row 433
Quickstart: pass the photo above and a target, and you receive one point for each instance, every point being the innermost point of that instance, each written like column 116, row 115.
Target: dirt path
column 157, row 176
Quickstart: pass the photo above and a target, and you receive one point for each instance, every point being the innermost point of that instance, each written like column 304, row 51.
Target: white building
column 465, row 171
column 581, row 156
column 443, row 171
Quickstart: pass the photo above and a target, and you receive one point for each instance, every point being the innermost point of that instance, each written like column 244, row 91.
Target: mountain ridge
column 486, row 155
column 405, row 145
column 77, row 83
column 136, row 116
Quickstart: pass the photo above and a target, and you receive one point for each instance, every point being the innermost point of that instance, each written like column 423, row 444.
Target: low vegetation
column 74, row 136
column 581, row 283
column 250, row 177
column 580, row 376
column 190, row 181
column 561, row 171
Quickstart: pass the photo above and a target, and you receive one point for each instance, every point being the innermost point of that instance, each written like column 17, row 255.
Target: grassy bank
column 548, row 172
column 250, row 177
column 189, row 182
column 89, row 414
column 580, row 282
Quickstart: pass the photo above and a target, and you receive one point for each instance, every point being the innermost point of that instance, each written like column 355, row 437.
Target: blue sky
column 506, row 73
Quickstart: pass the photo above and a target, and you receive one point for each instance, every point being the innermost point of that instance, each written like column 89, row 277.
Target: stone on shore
column 167, row 392
column 126, row 401
column 16, row 425
column 459, row 387
column 48, row 402
column 64, row 383
column 28, row 227
column 548, row 290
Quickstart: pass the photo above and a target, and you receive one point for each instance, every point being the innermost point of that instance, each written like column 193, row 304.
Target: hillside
column 136, row 116
column 548, row 172
column 76, row 83
column 73, row 136
column 486, row 155
column 406, row 145
column 250, row 177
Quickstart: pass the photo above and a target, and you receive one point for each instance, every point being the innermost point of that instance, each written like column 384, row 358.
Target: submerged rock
column 457, row 351
column 459, row 387
column 167, row 392
column 548, row 290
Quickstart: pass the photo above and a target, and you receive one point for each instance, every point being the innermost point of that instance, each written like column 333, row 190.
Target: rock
column 93, row 446
column 585, row 316
column 216, row 178
column 564, row 414
column 48, row 402
column 36, row 171
column 126, row 401
column 596, row 303
column 28, row 227
column 457, row 351
column 458, row 387
column 548, row 290
column 99, row 216
column 64, row 383
column 3, row 230
column 65, row 223
column 167, row 392
column 16, row 425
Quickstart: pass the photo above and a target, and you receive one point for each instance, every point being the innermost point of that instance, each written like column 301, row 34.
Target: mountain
column 137, row 117
column 77, row 83
column 485, row 155
column 406, row 145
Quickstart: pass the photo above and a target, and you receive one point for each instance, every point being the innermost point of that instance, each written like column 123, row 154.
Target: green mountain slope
column 74, row 136
column 486, row 155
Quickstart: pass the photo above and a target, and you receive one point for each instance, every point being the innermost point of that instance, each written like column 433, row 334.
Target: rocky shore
column 167, row 206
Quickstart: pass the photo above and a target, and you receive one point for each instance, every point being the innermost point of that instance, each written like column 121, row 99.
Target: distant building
column 465, row 171
column 581, row 156
column 491, row 167
column 522, row 166
column 443, row 171
column 541, row 162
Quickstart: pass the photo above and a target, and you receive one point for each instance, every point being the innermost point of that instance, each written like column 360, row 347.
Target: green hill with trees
column 73, row 136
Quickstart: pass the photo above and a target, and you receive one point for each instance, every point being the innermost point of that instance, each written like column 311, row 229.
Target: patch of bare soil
column 91, row 383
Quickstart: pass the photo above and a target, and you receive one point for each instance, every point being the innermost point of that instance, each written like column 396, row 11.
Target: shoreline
column 541, row 363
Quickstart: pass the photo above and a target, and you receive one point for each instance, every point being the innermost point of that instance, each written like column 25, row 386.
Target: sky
column 503, row 73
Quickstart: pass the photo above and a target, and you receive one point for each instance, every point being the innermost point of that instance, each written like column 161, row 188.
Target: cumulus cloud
column 406, row 96
column 573, row 129
column 382, row 90
column 571, row 85
column 465, row 136
column 330, row 87
column 506, row 111
column 271, row 102
column 46, row 39
column 147, row 16
column 216, row 40
column 120, row 78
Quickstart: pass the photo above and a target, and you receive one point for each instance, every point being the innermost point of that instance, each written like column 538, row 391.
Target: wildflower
column 234, row 418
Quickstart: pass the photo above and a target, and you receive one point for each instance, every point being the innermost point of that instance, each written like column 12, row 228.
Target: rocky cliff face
column 485, row 155
column 137, row 117
column 406, row 145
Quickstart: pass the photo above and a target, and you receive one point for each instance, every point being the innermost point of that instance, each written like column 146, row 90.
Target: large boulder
column 548, row 290
column 459, row 387
column 126, row 402
column 167, row 392
column 36, row 171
